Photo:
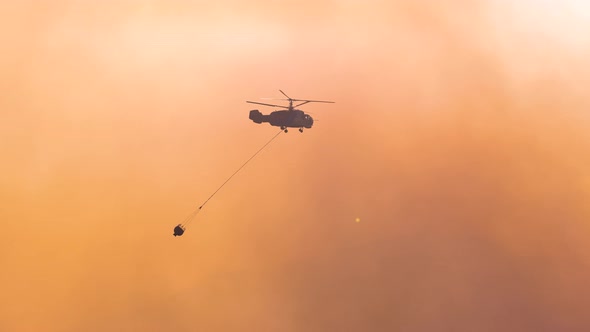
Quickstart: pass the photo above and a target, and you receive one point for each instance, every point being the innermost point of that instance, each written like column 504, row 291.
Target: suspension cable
column 193, row 214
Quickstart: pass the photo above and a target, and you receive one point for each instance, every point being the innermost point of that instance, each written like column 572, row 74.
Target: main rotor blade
column 312, row 101
column 315, row 101
column 253, row 102
column 305, row 102
column 285, row 94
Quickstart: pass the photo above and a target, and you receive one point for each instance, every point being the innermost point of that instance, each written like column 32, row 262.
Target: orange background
column 459, row 137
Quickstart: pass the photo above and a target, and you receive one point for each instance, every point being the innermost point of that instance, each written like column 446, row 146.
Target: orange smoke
column 459, row 138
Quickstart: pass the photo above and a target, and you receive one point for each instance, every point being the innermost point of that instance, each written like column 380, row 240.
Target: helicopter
column 290, row 118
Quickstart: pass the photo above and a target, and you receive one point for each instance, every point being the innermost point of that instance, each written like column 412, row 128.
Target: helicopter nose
column 310, row 122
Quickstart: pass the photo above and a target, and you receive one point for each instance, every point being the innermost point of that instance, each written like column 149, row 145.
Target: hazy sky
column 459, row 137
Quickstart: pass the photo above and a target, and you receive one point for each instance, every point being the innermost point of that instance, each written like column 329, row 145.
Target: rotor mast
column 290, row 100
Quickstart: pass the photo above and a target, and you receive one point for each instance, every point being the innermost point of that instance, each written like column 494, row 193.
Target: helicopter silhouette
column 290, row 118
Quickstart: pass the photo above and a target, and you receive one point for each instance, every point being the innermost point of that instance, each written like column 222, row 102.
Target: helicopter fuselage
column 291, row 117
column 283, row 119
